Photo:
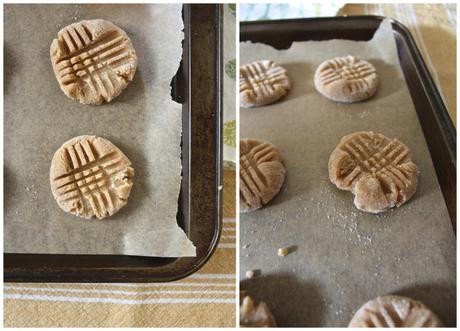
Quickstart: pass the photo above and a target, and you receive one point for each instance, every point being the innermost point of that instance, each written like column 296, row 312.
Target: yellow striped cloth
column 204, row 299
column 433, row 27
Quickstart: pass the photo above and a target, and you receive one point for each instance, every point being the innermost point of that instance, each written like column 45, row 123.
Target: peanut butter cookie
column 377, row 169
column 262, row 83
column 261, row 174
column 90, row 177
column 394, row 311
column 93, row 61
column 346, row 79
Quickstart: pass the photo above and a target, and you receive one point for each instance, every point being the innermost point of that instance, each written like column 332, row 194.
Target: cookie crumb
column 283, row 251
column 250, row 274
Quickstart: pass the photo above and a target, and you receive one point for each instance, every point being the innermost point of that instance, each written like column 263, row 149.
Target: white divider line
column 229, row 220
column 228, row 237
column 117, row 301
column 72, row 290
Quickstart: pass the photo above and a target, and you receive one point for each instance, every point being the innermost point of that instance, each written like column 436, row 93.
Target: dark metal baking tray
column 437, row 126
column 198, row 86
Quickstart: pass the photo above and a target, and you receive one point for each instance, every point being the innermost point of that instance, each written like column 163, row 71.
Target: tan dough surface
column 90, row 177
column 346, row 79
column 377, row 169
column 93, row 60
column 262, row 83
column 252, row 315
column 261, row 174
column 344, row 256
column 394, row 311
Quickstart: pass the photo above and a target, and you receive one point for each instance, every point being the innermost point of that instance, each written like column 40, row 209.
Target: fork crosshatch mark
column 348, row 68
column 93, row 61
column 346, row 79
column 91, row 177
column 261, row 173
column 262, row 83
column 375, row 166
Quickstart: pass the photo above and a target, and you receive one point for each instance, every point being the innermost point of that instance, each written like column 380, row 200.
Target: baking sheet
column 143, row 122
column 342, row 257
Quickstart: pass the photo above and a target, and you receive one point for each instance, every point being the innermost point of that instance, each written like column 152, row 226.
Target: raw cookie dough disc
column 261, row 174
column 261, row 83
column 346, row 79
column 90, row 177
column 377, row 169
column 252, row 315
column 93, row 61
column 394, row 311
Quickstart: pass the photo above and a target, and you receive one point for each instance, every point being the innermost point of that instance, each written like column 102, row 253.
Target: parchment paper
column 143, row 122
column 342, row 257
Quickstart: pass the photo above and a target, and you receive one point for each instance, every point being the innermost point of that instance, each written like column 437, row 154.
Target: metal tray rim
column 185, row 265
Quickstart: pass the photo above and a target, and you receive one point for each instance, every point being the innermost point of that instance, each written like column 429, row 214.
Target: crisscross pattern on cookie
column 350, row 69
column 378, row 170
column 257, row 184
column 382, row 158
column 89, row 180
column 394, row 311
column 92, row 62
column 262, row 82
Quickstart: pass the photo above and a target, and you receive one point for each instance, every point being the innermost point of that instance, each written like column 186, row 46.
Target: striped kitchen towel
column 204, row 299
